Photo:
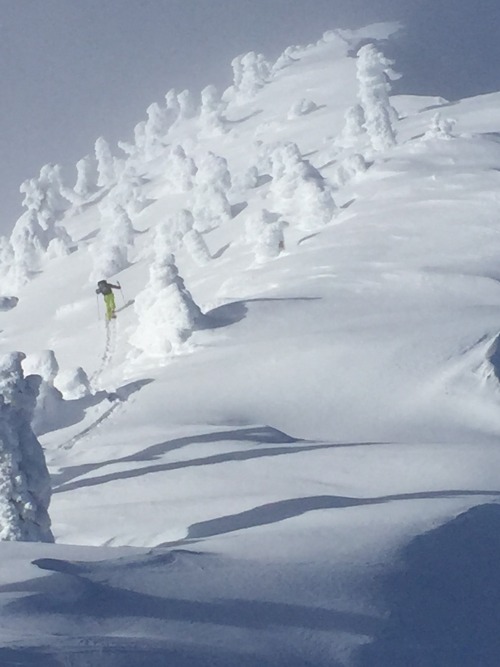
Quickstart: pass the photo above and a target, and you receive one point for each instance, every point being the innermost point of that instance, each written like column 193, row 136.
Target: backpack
column 103, row 287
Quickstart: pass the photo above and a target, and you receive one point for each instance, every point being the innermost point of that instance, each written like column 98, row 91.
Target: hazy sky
column 72, row 70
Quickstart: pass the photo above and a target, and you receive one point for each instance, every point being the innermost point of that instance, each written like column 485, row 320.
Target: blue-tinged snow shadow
column 444, row 598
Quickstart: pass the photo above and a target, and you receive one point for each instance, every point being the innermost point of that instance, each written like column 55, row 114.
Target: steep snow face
column 301, row 380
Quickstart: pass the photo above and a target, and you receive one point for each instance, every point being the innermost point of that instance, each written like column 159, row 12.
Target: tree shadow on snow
column 444, row 598
column 236, row 209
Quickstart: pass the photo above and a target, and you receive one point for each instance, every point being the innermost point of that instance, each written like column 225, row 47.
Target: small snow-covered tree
column 264, row 231
column 191, row 238
column 155, row 130
column 301, row 108
column 73, row 383
column 166, row 311
column 251, row 72
column 374, row 73
column 128, row 193
column 86, row 178
column 187, row 106
column 210, row 207
column 440, row 128
column 348, row 169
column 285, row 59
column 105, row 164
column 24, row 479
column 354, row 127
column 29, row 242
column 211, row 121
column 213, row 170
column 300, row 194
column 49, row 399
column 180, row 170
column 110, row 252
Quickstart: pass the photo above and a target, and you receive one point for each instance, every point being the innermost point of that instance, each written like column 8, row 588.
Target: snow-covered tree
column 285, row 59
column 374, row 73
column 300, row 194
column 105, row 164
column 86, row 178
column 440, row 128
column 349, row 168
column 49, row 399
column 24, row 479
column 210, row 207
column 191, row 238
column 211, row 121
column 251, row 72
column 187, row 106
column 354, row 127
column 73, row 383
column 166, row 311
column 301, row 108
column 264, row 231
column 155, row 130
column 213, row 170
column 110, row 252
column 180, row 170
column 128, row 193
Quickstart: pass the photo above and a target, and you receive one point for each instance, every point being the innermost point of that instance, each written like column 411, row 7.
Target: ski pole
column 98, row 309
column 121, row 291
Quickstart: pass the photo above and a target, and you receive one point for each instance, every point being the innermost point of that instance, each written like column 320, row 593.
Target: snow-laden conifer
column 73, row 383
column 86, row 178
column 301, row 107
column 49, row 399
column 180, row 170
column 187, row 106
column 213, row 170
column 348, row 169
column 374, row 73
column 251, row 72
column 440, row 128
column 155, row 130
column 166, row 311
column 105, row 164
column 191, row 238
column 354, row 129
column 110, row 251
column 210, row 207
column 299, row 192
column 264, row 231
column 211, row 121
column 24, row 479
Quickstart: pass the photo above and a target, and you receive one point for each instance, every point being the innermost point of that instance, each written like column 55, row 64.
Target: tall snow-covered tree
column 374, row 73
column 105, row 164
column 166, row 311
column 251, row 71
column 24, row 479
column 211, row 121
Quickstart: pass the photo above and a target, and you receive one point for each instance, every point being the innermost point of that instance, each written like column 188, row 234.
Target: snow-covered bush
column 354, row 127
column 349, row 168
column 105, row 164
column 24, row 479
column 211, row 120
column 166, row 311
column 73, row 383
column 110, row 251
column 264, row 231
column 441, row 128
column 210, row 207
column 49, row 399
column 301, row 108
column 251, row 71
column 300, row 194
column 181, row 170
column 213, row 170
column 374, row 73
column 86, row 178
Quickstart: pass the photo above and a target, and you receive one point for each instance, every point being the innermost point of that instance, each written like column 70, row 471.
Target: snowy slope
column 249, row 499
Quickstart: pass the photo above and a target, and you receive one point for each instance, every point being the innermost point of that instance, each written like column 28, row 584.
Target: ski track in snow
column 109, row 350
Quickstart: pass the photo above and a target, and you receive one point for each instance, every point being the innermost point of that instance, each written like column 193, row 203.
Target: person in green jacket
column 106, row 289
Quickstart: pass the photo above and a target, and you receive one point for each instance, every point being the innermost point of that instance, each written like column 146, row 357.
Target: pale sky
column 72, row 70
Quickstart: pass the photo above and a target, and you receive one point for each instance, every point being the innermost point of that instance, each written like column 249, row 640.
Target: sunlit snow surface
column 294, row 486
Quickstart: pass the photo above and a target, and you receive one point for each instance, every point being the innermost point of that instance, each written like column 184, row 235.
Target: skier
column 106, row 289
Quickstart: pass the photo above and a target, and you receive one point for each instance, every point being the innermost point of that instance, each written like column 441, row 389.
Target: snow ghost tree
column 166, row 311
column 128, row 193
column 105, row 164
column 155, row 131
column 181, row 170
column 213, row 170
column 73, row 383
column 251, row 72
column 210, row 207
column 374, row 75
column 49, row 399
column 354, row 127
column 300, row 194
column 264, row 231
column 86, row 179
column 191, row 238
column 24, row 479
column 301, row 108
column 211, row 121
column 187, row 106
column 348, row 169
column 441, row 128
column 111, row 250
